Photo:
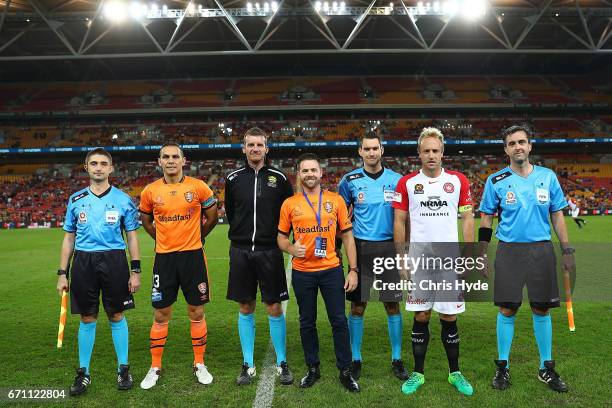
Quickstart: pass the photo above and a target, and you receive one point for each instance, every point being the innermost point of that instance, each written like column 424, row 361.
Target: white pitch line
column 265, row 388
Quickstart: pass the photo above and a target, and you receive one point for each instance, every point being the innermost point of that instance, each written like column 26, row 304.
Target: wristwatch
column 61, row 272
column 568, row 250
column 354, row 269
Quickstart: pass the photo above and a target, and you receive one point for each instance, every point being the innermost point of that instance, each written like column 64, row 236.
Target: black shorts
column 250, row 268
column 366, row 252
column 105, row 271
column 186, row 269
column 531, row 263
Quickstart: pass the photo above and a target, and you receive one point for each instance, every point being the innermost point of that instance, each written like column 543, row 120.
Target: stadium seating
column 37, row 194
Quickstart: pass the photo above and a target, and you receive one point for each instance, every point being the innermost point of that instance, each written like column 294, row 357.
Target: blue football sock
column 542, row 329
column 505, row 333
column 246, row 331
column 87, row 338
column 278, row 333
column 355, row 324
column 394, row 324
column 121, row 341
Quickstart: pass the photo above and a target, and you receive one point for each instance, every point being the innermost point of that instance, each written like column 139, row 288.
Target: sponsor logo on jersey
column 355, row 176
column 329, row 207
column 189, row 196
column 500, row 177
column 173, row 193
column 173, row 218
column 449, row 188
column 510, row 198
column 272, row 181
column 314, row 228
column 156, row 295
column 79, row 196
column 434, row 203
column 419, row 189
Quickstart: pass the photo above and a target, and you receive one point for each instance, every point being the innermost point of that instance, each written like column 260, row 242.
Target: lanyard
column 317, row 214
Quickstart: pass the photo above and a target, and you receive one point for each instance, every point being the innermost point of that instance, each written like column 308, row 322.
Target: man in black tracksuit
column 253, row 197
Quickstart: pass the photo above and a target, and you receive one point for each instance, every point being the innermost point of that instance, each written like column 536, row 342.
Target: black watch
column 136, row 270
column 61, row 272
column 568, row 251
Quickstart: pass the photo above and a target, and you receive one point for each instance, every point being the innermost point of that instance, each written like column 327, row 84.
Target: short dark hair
column 174, row 144
column 522, row 127
column 98, row 150
column 373, row 134
column 304, row 157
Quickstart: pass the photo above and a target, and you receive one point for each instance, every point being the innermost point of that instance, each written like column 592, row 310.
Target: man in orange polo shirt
column 175, row 203
column 314, row 216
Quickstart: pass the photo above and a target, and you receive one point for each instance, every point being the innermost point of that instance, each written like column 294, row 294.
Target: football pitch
column 29, row 310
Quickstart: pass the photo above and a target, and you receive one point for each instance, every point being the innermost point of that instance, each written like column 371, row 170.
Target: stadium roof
column 115, row 39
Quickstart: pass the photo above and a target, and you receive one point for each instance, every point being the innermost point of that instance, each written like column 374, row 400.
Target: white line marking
column 265, row 388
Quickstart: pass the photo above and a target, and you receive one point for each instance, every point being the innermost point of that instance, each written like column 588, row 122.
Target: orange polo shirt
column 297, row 215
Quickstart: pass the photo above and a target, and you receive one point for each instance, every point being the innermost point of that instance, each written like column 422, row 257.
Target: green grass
column 29, row 308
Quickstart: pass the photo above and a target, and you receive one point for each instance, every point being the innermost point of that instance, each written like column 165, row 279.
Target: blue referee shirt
column 98, row 221
column 524, row 204
column 371, row 197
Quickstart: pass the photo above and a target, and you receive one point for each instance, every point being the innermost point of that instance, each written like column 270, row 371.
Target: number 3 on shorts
column 156, row 281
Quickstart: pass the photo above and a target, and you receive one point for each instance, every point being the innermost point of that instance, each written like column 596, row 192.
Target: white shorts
column 575, row 212
column 436, row 291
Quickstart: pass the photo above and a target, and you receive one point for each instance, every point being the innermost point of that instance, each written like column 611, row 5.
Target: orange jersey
column 177, row 212
column 297, row 215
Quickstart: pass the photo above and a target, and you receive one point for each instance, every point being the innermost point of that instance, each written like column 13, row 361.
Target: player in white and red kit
column 428, row 201
column 575, row 211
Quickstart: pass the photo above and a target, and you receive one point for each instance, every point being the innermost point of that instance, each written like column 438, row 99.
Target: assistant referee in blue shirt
column 526, row 197
column 96, row 217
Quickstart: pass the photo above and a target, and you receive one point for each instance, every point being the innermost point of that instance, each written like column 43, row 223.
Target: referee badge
column 189, row 196
column 328, row 206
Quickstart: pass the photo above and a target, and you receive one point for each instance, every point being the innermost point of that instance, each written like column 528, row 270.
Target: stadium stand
column 35, row 194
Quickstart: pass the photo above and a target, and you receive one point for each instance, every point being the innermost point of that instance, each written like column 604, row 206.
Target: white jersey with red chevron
column 433, row 204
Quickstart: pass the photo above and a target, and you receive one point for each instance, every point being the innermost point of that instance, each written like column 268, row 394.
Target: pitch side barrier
column 230, row 146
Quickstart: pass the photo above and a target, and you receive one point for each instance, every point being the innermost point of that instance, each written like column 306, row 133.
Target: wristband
column 61, row 272
column 353, row 269
column 568, row 251
column 485, row 234
column 135, row 265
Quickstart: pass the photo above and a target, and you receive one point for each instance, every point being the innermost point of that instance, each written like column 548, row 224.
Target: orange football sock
column 159, row 333
column 199, row 332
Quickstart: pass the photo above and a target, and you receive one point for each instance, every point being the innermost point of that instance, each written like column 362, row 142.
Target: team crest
column 272, row 181
column 510, row 198
column 189, row 196
column 449, row 188
column 418, row 189
column 82, row 217
column 297, row 211
column 173, row 193
column 202, row 288
column 328, row 206
column 361, row 197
